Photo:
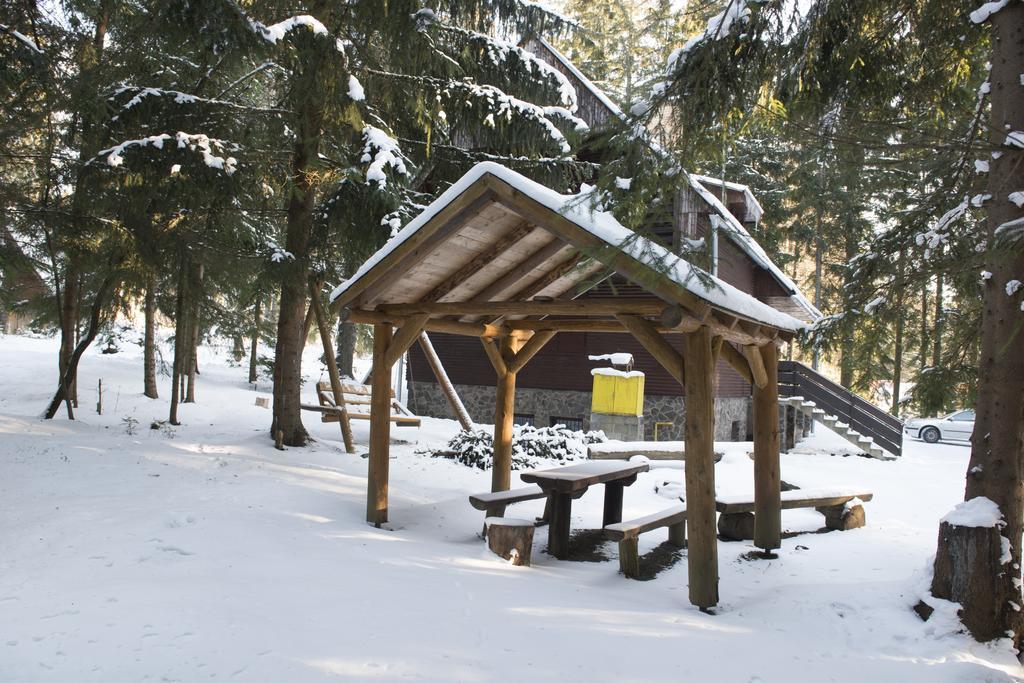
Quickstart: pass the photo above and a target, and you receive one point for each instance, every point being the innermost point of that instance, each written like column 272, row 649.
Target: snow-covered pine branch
column 502, row 104
column 142, row 92
column 499, row 53
column 198, row 142
column 21, row 38
column 381, row 151
column 736, row 13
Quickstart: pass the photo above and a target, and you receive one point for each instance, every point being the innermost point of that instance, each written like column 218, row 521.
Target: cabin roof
column 496, row 240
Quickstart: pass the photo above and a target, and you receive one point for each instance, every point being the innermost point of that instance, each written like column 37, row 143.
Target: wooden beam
column 461, row 414
column 478, row 262
column 585, row 307
column 532, row 210
column 519, row 271
column 396, row 265
column 405, row 337
column 699, row 431
column 504, row 413
column 757, row 369
column 647, row 334
column 737, row 361
column 434, row 325
column 332, row 366
column 529, row 350
column 767, row 491
column 547, row 279
column 494, row 355
column 380, row 429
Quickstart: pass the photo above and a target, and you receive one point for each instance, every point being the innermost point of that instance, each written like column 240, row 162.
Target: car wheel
column 930, row 434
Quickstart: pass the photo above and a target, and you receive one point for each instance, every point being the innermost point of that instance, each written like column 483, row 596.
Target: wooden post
column 702, row 558
column 767, row 500
column 445, row 383
column 504, row 413
column 380, row 428
column 332, row 366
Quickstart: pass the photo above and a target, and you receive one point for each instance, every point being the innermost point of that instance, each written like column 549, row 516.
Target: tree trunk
column 255, row 340
column 179, row 336
column 307, row 103
column 346, row 348
column 939, row 315
column 195, row 294
column 818, row 248
column 101, row 301
column 149, row 343
column 847, row 360
column 996, row 468
column 923, row 352
column 897, row 362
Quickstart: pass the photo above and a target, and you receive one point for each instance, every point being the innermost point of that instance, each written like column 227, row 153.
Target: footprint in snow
column 175, row 549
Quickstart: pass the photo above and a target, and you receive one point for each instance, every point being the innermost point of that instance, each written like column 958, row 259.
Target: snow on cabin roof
column 753, row 206
column 743, row 239
column 605, row 227
column 737, row 234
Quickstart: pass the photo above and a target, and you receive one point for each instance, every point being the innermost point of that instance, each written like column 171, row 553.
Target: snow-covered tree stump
column 510, row 538
column 971, row 553
column 844, row 517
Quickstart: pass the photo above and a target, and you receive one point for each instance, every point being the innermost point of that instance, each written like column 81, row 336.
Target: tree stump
column 736, row 526
column 844, row 517
column 968, row 559
column 510, row 538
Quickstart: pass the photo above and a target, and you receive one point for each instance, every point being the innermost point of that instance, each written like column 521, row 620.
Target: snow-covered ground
column 200, row 552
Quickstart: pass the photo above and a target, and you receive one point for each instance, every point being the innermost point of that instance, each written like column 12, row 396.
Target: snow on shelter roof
column 660, row 262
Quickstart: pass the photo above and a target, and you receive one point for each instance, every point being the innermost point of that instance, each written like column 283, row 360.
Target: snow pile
column 976, row 512
column 381, row 152
column 531, row 447
column 620, row 358
column 1017, row 198
column 1012, row 287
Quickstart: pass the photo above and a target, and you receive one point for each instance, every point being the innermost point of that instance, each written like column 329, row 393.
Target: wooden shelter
column 502, row 258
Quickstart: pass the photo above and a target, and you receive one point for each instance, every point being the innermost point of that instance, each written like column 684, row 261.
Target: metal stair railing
column 796, row 379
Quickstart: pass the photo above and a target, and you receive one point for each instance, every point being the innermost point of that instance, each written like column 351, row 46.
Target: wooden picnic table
column 563, row 484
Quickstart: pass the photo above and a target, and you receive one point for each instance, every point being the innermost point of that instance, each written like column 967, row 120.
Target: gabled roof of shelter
column 496, row 237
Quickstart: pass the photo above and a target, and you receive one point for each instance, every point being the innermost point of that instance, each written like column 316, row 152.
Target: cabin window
column 573, row 423
column 523, row 419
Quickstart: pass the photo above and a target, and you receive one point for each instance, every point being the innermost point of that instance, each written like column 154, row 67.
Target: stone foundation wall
column 662, row 413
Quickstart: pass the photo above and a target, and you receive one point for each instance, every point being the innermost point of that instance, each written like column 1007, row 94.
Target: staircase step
column 818, row 412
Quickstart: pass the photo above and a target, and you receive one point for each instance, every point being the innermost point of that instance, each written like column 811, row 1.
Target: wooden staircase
column 821, row 400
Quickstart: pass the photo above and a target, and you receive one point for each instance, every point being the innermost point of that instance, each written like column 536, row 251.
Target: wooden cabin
column 556, row 386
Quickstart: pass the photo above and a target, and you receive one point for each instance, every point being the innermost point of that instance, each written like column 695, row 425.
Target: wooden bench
column 628, row 533
column 357, row 402
column 737, row 519
column 494, row 503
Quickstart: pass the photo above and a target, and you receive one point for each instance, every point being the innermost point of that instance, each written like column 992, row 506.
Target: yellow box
column 618, row 393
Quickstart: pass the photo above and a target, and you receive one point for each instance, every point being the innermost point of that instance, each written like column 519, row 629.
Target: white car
column 956, row 426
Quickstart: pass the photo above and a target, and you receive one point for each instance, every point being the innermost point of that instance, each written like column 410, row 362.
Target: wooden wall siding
column 561, row 364
column 589, row 107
